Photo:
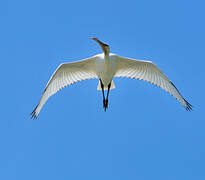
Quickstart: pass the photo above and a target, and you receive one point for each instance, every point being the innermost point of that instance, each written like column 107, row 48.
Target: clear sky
column 146, row 134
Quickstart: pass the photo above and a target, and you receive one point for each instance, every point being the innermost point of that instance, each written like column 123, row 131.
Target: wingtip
column 188, row 107
column 33, row 114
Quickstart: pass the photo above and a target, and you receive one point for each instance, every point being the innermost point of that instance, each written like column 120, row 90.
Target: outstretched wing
column 147, row 71
column 66, row 74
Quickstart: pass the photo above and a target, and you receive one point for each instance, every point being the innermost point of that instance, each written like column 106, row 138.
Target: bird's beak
column 96, row 39
column 93, row 38
column 99, row 42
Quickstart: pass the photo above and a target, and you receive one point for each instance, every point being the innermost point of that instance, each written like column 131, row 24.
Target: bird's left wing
column 147, row 71
column 66, row 74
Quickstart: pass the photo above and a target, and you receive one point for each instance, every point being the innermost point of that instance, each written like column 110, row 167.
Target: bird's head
column 105, row 47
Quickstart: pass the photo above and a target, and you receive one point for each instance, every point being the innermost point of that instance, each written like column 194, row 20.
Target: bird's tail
column 105, row 88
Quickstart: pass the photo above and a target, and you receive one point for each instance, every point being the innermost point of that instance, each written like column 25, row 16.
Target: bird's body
column 105, row 67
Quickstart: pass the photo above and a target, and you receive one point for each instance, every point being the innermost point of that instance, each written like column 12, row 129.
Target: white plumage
column 105, row 67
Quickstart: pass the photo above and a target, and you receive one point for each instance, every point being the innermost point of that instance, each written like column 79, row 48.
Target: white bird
column 105, row 67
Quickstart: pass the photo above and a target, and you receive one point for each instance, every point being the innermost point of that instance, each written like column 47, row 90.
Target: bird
column 106, row 66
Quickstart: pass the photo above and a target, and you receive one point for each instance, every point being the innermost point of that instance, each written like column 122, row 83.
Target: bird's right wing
column 147, row 71
column 66, row 74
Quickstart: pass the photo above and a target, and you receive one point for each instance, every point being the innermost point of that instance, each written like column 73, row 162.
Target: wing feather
column 147, row 71
column 66, row 74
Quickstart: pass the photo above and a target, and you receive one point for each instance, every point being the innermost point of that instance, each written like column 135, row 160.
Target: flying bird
column 105, row 67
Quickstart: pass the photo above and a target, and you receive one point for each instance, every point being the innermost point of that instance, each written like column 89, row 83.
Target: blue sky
column 146, row 134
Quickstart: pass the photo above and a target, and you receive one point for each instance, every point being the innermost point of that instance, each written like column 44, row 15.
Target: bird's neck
column 106, row 52
column 106, row 56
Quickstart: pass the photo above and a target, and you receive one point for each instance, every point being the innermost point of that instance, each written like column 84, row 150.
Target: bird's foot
column 105, row 104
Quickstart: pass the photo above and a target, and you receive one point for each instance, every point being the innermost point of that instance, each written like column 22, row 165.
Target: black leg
column 106, row 101
column 102, row 86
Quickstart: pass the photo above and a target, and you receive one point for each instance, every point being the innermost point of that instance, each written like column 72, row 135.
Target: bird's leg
column 106, row 101
column 102, row 86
